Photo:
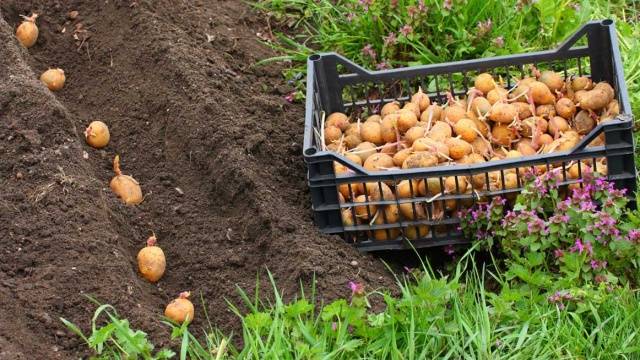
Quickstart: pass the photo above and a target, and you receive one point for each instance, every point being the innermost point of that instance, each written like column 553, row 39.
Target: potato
column 496, row 95
column 351, row 141
column 388, row 128
column 480, row 106
column 389, row 108
column 430, row 187
column 401, row 156
column 406, row 120
column 347, row 217
column 354, row 158
column 541, row 94
column 545, row 139
column 371, row 131
column 581, row 83
column 484, row 82
column 338, row 120
column 416, row 232
column 421, row 99
column 583, row 122
column 524, row 110
column 594, row 99
column 419, row 160
column 389, row 215
column 532, row 123
column 433, row 112
column 520, row 93
column 546, row 111
column 525, row 148
column 364, row 150
column 433, row 146
column 502, row 135
column 458, row 148
column 579, row 96
column 503, row 113
column 378, row 162
column 453, row 113
column 455, row 184
column 466, row 129
column 552, row 79
column 565, row 108
column 558, row 125
column 415, row 108
column 378, row 191
column 391, row 148
column 597, row 98
column 332, row 134
column 481, row 146
column 407, row 189
column 364, row 212
column 335, row 147
column 352, row 129
column 151, row 261
column 412, row 211
column 440, row 131
column 482, row 126
column 414, row 133
column 613, row 108
column 374, row 118
column 386, row 234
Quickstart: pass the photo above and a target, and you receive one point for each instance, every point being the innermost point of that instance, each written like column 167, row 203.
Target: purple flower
column 500, row 200
column 595, row 264
column 449, row 250
column 578, row 246
column 357, row 289
column 406, row 30
column 350, row 17
column 393, row 4
column 334, row 326
column 558, row 253
column 589, row 248
column 391, row 39
column 564, row 205
column 587, row 206
column 536, row 225
column 412, row 11
column 421, row 6
column 634, row 235
column 369, row 51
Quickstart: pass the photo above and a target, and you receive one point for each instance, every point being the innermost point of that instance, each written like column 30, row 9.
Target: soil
column 210, row 138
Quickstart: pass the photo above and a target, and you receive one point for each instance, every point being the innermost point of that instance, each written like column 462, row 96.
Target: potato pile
column 541, row 114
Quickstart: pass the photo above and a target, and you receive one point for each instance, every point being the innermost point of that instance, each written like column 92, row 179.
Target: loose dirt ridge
column 172, row 79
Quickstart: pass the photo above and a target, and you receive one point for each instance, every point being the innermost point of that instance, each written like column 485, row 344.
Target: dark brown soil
column 210, row 138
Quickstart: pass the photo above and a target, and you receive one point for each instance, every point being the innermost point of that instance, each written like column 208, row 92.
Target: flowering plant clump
column 561, row 237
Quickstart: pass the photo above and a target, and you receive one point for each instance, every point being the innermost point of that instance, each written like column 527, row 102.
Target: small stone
column 354, row 263
column 19, row 175
column 73, row 14
column 85, row 155
column 179, row 191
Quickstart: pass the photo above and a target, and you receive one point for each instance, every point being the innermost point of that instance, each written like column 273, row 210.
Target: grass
column 445, row 317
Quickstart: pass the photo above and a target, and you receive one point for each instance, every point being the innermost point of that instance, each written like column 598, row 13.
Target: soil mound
column 214, row 145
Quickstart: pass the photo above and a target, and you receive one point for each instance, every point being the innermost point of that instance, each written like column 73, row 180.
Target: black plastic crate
column 334, row 84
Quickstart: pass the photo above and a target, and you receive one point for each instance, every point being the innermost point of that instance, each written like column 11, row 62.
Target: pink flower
column 484, row 27
column 447, row 4
column 499, row 42
column 369, row 51
column 393, row 3
column 634, row 235
column 595, row 264
column 558, row 253
column 391, row 39
column 421, row 6
column 334, row 326
column 290, row 97
column 365, row 4
column 357, row 289
column 383, row 65
column 350, row 17
column 406, row 30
